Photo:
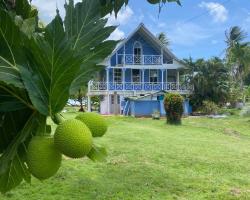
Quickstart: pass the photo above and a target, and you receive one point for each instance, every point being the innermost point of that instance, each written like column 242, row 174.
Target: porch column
column 162, row 79
column 107, row 78
column 124, row 50
column 108, row 102
column 143, row 76
column 166, row 76
column 123, row 78
column 161, row 56
column 89, row 103
column 178, row 79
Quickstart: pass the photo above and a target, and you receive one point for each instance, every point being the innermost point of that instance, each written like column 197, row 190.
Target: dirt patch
column 231, row 132
column 235, row 191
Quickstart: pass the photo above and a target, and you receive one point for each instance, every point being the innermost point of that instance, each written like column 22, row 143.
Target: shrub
column 209, row 107
column 173, row 104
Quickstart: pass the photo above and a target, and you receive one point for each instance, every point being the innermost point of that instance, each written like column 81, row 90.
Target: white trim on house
column 157, row 70
column 114, row 74
column 154, row 39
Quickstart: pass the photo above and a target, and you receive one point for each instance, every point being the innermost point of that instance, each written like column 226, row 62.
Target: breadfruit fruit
column 73, row 138
column 95, row 122
column 43, row 158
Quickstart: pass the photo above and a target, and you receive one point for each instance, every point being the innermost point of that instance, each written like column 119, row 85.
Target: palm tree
column 238, row 54
column 163, row 38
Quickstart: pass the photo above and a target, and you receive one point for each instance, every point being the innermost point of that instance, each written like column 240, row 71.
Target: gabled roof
column 141, row 28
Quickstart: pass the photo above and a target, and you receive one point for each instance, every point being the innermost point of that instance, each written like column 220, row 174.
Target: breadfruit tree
column 39, row 68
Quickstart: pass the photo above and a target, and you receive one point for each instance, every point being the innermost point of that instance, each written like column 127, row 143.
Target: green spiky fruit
column 73, row 138
column 153, row 1
column 43, row 159
column 95, row 122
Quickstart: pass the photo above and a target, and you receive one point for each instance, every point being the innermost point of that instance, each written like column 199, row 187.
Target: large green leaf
column 87, row 31
column 11, row 51
column 52, row 66
column 12, row 167
column 10, row 99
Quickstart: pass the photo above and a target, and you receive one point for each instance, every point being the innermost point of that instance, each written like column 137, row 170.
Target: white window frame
column 157, row 75
column 114, row 75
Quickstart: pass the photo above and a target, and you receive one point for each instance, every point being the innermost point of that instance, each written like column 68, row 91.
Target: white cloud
column 216, row 10
column 122, row 18
column 47, row 8
column 117, row 35
column 187, row 34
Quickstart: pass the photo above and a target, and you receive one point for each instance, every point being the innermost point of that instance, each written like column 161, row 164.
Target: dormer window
column 137, row 53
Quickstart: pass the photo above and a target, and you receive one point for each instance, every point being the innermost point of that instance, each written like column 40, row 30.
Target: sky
column 196, row 29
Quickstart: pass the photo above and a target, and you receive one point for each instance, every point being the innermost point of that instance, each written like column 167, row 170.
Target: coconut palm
column 238, row 54
column 163, row 38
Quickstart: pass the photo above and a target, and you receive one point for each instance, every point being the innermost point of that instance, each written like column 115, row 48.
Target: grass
column 202, row 159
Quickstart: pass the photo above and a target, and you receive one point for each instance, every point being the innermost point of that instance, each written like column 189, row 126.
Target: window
column 136, row 76
column 117, row 75
column 153, row 76
column 137, row 53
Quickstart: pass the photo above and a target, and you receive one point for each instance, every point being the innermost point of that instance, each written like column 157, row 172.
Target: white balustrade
column 131, row 59
column 128, row 86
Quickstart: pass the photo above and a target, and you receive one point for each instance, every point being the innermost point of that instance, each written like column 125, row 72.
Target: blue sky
column 196, row 29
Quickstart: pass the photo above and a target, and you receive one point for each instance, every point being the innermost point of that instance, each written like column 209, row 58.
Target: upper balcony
column 183, row 88
column 131, row 59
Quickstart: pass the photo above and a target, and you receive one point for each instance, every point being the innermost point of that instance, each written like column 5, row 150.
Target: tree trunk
column 81, row 106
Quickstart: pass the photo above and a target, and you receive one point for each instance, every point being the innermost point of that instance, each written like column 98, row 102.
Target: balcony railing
column 168, row 86
column 131, row 59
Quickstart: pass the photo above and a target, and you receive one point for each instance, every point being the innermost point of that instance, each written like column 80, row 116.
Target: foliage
column 79, row 96
column 163, row 38
column 211, row 81
column 173, row 104
column 209, row 107
column 38, row 71
column 237, row 55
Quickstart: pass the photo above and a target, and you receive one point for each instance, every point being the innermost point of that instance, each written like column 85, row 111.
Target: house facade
column 140, row 66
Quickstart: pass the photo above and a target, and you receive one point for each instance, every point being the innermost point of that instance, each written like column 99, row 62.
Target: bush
column 173, row 104
column 209, row 107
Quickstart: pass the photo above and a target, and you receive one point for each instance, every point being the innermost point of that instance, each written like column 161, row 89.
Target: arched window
column 137, row 53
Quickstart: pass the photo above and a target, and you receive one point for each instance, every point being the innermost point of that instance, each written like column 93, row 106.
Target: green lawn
column 202, row 159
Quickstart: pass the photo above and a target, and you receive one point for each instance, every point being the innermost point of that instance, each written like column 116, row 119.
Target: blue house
column 140, row 67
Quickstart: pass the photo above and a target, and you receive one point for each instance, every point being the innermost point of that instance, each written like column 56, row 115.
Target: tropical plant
column 209, row 107
column 173, row 104
column 38, row 71
column 79, row 97
column 163, row 38
column 237, row 55
column 211, row 81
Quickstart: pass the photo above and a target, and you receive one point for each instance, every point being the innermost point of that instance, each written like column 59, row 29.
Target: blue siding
column 144, row 108
column 147, row 49
column 140, row 108
column 146, row 74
